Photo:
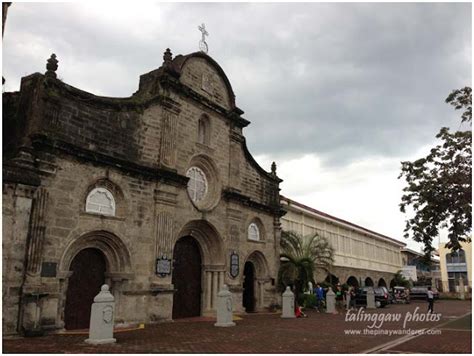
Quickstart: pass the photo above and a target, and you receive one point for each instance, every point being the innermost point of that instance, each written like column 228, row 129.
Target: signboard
column 234, row 264
column 163, row 266
column 48, row 269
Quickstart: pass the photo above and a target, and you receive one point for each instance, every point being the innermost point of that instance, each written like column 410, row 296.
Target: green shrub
column 307, row 301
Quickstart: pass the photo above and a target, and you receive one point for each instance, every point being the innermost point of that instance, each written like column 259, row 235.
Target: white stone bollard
column 330, row 301
column 462, row 290
column 224, row 307
column 288, row 304
column 370, row 298
column 101, row 329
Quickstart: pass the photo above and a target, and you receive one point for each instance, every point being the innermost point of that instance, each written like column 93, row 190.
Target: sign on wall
column 234, row 264
column 163, row 266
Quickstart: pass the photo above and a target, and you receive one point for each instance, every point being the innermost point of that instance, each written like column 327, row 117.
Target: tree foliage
column 439, row 186
column 300, row 257
column 399, row 280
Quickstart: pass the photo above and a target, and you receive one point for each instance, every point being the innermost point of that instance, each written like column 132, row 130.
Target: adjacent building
column 362, row 257
column 418, row 271
column 456, row 265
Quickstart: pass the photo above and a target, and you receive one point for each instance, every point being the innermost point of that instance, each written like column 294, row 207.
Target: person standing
column 339, row 298
column 430, row 296
column 319, row 292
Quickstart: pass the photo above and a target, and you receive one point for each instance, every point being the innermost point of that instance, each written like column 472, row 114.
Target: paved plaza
column 268, row 333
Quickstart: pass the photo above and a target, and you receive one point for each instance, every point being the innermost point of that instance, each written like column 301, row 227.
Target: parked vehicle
column 401, row 295
column 381, row 296
column 422, row 293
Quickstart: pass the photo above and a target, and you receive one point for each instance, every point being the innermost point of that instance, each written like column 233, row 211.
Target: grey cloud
column 342, row 81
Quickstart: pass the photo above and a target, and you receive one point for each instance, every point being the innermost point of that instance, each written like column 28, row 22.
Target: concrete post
column 101, row 330
column 462, row 294
column 370, row 298
column 330, row 301
column 224, row 307
column 288, row 304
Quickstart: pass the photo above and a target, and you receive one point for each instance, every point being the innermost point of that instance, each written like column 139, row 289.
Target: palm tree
column 300, row 257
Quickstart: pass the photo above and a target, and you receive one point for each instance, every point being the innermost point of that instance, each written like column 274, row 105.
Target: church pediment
column 202, row 74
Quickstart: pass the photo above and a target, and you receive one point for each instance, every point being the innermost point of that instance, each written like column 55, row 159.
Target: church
column 156, row 195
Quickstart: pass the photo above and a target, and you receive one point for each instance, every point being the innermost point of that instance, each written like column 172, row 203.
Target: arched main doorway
column 186, row 278
column 382, row 283
column 248, row 300
column 88, row 269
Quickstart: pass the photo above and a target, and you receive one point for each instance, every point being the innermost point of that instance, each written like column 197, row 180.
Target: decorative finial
column 274, row 168
column 167, row 57
column 202, row 43
column 51, row 66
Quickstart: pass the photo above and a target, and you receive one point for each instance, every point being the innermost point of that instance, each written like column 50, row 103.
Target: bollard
column 101, row 330
column 370, row 298
column 330, row 301
column 224, row 307
column 462, row 291
column 288, row 304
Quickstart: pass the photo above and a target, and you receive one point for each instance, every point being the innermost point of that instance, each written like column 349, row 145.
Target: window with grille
column 100, row 201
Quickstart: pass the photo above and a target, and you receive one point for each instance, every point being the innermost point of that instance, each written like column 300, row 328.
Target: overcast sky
column 337, row 94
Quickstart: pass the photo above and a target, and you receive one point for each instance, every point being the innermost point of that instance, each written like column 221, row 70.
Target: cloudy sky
column 338, row 94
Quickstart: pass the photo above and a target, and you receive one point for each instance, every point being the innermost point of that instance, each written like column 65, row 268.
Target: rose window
column 197, row 184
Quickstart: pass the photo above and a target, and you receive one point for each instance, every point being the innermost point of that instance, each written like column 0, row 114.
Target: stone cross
column 330, row 301
column 224, row 307
column 101, row 330
column 370, row 298
column 288, row 304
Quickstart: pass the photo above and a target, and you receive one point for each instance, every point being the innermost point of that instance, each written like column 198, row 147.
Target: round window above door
column 197, row 184
column 204, row 189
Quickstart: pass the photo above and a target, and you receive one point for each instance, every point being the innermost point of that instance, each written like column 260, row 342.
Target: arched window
column 100, row 201
column 204, row 130
column 253, row 232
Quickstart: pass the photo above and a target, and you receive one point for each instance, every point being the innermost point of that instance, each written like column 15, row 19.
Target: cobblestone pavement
column 266, row 333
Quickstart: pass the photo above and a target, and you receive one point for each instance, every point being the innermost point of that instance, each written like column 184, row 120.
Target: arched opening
column 248, row 300
column 332, row 279
column 368, row 282
column 187, row 278
column 392, row 283
column 88, row 275
column 382, row 283
column 352, row 281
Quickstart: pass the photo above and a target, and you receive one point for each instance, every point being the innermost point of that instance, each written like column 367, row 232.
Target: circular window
column 197, row 184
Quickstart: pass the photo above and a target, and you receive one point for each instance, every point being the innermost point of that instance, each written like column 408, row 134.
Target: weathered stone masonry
column 60, row 143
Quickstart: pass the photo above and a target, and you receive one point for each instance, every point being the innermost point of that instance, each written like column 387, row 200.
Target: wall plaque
column 48, row 269
column 234, row 264
column 163, row 266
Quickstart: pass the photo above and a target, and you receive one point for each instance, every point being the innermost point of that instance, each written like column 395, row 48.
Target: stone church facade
column 156, row 195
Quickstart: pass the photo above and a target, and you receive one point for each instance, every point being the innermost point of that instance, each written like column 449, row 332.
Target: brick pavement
column 255, row 333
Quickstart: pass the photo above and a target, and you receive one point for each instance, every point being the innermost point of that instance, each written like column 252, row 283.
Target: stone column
column 261, row 289
column 209, row 290
column 101, row 330
column 288, row 304
column 370, row 299
column 214, row 289
column 224, row 308
column 330, row 301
